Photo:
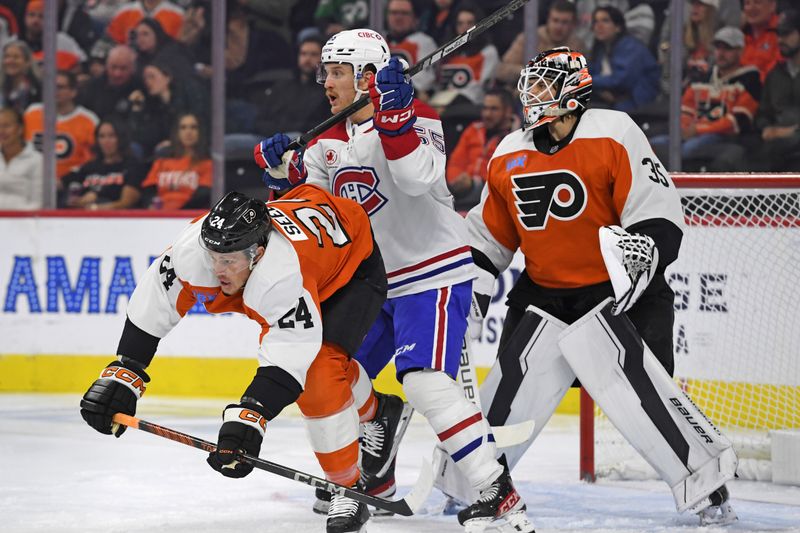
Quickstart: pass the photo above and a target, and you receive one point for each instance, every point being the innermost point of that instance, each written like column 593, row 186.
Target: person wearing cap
column 717, row 109
column 779, row 113
column 761, row 41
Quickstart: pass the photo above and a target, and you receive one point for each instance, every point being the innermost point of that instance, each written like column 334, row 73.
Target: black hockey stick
column 405, row 507
column 434, row 57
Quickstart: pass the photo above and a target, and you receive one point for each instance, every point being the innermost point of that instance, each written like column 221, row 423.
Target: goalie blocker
column 606, row 353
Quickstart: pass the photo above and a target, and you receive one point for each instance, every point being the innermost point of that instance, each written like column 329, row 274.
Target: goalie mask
column 553, row 84
column 357, row 48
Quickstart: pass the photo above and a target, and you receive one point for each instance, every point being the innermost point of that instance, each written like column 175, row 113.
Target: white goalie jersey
column 423, row 240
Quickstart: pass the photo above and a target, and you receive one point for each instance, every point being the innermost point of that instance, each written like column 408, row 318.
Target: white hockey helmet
column 358, row 48
column 554, row 83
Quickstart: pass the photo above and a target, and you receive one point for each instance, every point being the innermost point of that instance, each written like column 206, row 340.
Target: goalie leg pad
column 626, row 380
column 458, row 423
column 528, row 379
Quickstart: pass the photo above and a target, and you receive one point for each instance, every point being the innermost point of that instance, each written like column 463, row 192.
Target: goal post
column 737, row 320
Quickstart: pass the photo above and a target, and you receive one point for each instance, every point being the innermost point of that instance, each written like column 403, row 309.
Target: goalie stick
column 434, row 57
column 405, row 507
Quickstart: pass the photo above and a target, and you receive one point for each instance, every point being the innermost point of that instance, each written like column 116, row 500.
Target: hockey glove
column 242, row 431
column 117, row 389
column 482, row 289
column 631, row 260
column 282, row 169
column 392, row 96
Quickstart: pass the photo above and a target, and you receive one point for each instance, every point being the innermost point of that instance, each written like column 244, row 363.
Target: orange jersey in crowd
column 551, row 205
column 74, row 136
column 413, row 48
column 472, row 153
column 178, row 178
column 761, row 50
column 722, row 105
column 470, row 74
column 169, row 15
column 316, row 244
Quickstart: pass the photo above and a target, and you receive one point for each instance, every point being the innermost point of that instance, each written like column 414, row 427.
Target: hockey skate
column 382, row 435
column 499, row 507
column 382, row 487
column 346, row 515
column 720, row 512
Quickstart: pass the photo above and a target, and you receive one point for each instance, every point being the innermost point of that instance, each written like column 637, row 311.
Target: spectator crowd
column 132, row 90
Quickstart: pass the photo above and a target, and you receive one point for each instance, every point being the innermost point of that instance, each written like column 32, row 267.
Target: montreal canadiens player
column 307, row 270
column 390, row 157
column 581, row 194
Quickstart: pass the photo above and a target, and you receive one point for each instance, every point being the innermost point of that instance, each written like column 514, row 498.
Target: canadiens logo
column 560, row 194
column 331, row 157
column 361, row 185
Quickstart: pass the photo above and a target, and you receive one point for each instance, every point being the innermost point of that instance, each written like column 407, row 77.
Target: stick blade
column 513, row 434
column 419, row 493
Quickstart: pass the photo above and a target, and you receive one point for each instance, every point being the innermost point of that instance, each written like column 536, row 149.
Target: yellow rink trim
column 171, row 376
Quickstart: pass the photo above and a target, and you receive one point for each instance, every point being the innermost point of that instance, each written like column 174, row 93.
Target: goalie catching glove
column 392, row 95
column 282, row 169
column 631, row 260
column 243, row 427
column 117, row 390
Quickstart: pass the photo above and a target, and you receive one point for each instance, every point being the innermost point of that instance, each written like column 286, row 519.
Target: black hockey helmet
column 236, row 223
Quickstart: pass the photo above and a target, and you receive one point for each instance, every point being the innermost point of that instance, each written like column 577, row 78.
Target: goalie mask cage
column 737, row 321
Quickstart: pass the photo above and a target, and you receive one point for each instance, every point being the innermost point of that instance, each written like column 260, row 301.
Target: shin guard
column 458, row 423
column 658, row 419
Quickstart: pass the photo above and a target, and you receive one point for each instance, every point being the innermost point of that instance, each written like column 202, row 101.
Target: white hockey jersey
column 316, row 245
column 402, row 187
column 551, row 205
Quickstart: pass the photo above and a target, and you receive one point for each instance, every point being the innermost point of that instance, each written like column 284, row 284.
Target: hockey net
column 737, row 321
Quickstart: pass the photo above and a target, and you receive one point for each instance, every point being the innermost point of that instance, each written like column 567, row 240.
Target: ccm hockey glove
column 392, row 95
column 117, row 389
column 283, row 169
column 243, row 427
column 631, row 260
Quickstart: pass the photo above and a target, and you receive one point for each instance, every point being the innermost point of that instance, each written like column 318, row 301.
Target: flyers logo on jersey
column 560, row 194
column 361, row 185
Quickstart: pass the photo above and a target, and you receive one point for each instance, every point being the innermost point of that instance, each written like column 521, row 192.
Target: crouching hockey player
column 307, row 270
column 581, row 194
column 389, row 156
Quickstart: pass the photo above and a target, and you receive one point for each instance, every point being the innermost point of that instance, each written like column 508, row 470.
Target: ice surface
column 58, row 475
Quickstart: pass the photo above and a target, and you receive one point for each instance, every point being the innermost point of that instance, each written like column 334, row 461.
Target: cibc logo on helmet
column 557, row 193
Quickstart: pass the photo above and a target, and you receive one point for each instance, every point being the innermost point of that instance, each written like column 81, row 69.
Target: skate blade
column 723, row 515
column 379, row 513
column 402, row 425
column 321, row 507
column 514, row 522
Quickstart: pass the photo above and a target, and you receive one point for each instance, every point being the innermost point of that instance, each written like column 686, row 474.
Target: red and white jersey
column 422, row 239
column 551, row 205
column 413, row 48
column 316, row 245
column 470, row 75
